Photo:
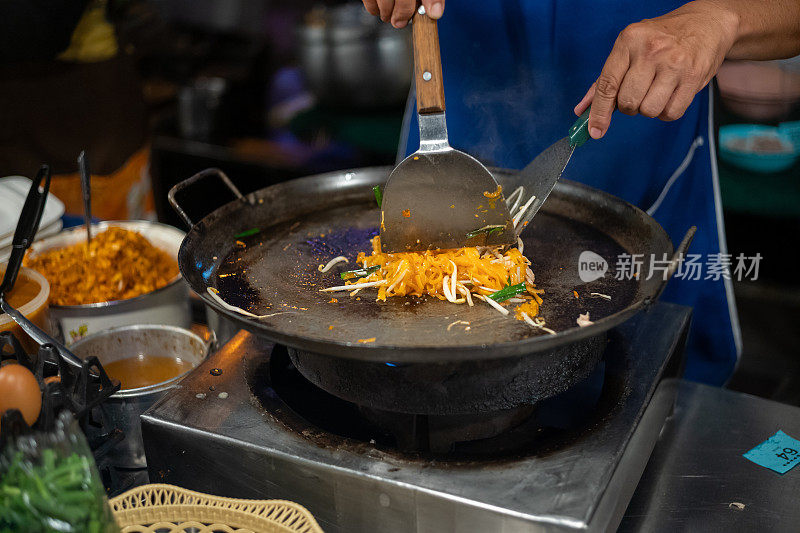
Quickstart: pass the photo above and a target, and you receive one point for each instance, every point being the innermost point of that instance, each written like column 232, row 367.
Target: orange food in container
column 30, row 296
column 139, row 270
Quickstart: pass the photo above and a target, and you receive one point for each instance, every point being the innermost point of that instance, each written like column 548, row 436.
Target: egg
column 20, row 390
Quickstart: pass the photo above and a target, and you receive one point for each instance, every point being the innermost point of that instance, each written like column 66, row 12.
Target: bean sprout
column 539, row 325
column 456, row 323
column 494, row 304
column 354, row 286
column 217, row 298
column 522, row 210
column 331, row 263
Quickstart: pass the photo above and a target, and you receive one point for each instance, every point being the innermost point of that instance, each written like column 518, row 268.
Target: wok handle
column 427, row 64
column 680, row 252
column 674, row 263
column 178, row 187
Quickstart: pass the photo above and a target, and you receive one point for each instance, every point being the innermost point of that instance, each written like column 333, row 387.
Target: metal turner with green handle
column 540, row 176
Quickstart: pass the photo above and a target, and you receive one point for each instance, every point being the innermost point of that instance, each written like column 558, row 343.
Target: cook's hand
column 399, row 12
column 658, row 65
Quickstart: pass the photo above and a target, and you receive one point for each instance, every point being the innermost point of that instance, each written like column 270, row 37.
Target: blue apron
column 514, row 70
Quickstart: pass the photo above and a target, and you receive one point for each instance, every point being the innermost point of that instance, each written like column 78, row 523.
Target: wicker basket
column 166, row 508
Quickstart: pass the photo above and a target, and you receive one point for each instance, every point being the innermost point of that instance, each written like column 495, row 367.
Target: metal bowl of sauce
column 148, row 360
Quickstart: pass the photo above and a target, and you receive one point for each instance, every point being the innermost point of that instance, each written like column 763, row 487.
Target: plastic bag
column 49, row 483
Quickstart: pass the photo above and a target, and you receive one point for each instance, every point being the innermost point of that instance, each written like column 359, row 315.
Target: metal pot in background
column 352, row 59
column 168, row 305
column 199, row 105
column 124, row 407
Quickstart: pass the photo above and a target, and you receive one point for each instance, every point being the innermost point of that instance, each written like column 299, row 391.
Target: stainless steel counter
column 212, row 434
column 697, row 479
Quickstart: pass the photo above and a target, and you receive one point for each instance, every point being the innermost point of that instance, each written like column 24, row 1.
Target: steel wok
column 419, row 355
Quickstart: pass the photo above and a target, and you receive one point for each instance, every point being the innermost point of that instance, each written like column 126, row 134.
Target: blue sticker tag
column 779, row 453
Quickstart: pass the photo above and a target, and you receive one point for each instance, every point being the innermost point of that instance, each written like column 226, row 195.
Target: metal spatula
column 540, row 175
column 439, row 197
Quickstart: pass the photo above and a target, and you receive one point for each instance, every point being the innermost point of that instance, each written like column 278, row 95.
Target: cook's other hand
column 399, row 12
column 657, row 65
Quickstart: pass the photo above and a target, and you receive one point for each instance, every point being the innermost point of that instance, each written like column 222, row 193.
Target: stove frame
column 213, row 435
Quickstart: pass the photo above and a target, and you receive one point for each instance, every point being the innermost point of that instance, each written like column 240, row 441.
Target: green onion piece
column 33, row 494
column 508, row 292
column 488, row 230
column 359, row 272
column 376, row 190
column 247, row 233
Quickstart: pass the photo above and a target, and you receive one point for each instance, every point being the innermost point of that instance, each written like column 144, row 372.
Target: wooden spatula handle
column 427, row 64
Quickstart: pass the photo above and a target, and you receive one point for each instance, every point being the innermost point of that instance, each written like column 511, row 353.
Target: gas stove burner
column 488, row 434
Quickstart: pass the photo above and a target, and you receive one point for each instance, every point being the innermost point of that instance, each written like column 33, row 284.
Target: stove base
column 579, row 477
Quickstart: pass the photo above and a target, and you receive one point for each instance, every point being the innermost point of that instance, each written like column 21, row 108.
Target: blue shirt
column 513, row 72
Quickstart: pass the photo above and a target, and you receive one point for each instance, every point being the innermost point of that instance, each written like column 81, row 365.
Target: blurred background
column 268, row 91
column 157, row 90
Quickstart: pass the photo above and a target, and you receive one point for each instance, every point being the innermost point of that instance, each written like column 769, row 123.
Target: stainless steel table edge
column 623, row 484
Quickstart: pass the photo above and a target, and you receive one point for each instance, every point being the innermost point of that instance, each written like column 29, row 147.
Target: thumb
column 434, row 8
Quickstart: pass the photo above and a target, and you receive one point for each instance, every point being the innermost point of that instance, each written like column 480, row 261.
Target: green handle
column 579, row 132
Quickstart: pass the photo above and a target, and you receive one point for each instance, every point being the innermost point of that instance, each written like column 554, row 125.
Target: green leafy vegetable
column 376, row 190
column 488, row 230
column 247, row 233
column 508, row 292
column 55, row 494
column 359, row 272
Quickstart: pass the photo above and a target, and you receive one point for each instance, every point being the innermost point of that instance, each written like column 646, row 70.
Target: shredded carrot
column 364, row 341
column 495, row 194
column 406, row 213
column 453, row 275
column 531, row 308
column 575, row 293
